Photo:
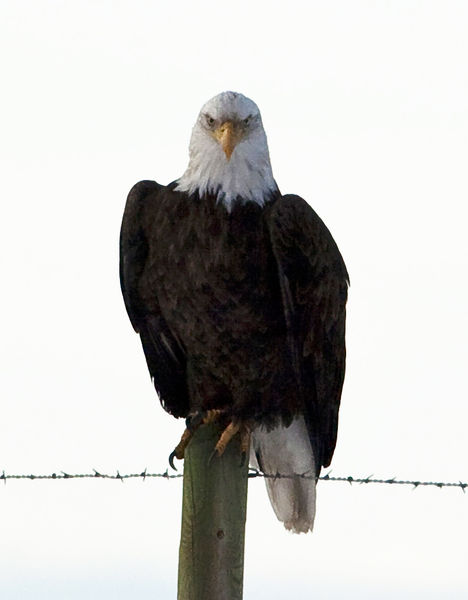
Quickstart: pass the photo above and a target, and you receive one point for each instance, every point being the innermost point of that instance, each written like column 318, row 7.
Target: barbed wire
column 253, row 473
column 370, row 479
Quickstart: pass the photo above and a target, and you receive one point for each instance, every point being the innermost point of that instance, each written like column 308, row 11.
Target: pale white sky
column 365, row 108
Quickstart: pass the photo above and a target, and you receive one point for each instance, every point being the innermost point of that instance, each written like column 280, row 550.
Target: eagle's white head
column 229, row 152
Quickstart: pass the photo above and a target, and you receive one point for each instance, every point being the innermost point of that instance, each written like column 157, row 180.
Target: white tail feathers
column 287, row 450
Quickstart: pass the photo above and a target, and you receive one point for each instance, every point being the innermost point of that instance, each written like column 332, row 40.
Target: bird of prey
column 238, row 294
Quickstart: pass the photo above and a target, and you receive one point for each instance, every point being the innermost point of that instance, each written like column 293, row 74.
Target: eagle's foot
column 226, row 437
column 244, row 430
column 193, row 422
column 179, row 450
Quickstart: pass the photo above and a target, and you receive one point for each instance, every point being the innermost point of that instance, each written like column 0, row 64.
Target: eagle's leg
column 193, row 422
column 211, row 416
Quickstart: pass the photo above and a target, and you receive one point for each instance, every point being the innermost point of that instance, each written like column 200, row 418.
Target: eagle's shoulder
column 142, row 189
column 136, row 201
column 293, row 222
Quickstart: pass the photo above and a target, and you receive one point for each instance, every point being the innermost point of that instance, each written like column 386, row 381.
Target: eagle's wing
column 314, row 283
column 164, row 355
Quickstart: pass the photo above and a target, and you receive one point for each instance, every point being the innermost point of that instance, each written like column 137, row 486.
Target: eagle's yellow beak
column 227, row 136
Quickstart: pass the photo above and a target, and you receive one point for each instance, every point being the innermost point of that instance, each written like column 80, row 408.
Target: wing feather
column 165, row 357
column 314, row 283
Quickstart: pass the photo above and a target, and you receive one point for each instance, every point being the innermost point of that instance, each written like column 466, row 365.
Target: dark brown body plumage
column 241, row 310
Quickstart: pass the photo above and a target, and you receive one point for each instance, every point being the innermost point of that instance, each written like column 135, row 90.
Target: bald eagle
column 238, row 294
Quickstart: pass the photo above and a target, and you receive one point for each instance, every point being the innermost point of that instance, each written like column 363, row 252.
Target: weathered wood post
column 211, row 554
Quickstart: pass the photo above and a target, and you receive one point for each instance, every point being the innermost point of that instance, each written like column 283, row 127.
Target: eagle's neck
column 246, row 176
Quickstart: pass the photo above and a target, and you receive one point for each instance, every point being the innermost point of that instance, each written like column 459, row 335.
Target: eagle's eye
column 247, row 120
column 210, row 121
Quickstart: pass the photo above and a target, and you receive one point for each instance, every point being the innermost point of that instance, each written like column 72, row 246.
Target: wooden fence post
column 211, row 554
